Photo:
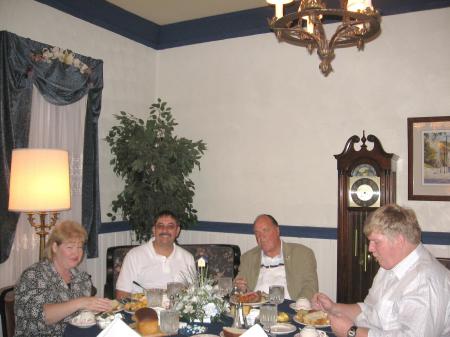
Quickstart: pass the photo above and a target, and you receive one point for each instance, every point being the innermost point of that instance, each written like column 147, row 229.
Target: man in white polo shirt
column 274, row 262
column 156, row 262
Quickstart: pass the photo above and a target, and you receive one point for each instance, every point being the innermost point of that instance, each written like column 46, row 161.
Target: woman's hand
column 96, row 304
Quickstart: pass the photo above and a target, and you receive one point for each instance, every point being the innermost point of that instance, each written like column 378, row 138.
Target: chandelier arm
column 356, row 28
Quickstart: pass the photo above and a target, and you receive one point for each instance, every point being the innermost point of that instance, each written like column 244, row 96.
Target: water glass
column 268, row 315
column 225, row 285
column 169, row 321
column 154, row 297
column 174, row 289
column 276, row 294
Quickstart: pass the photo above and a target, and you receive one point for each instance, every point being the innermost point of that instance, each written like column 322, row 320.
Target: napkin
column 255, row 331
column 118, row 328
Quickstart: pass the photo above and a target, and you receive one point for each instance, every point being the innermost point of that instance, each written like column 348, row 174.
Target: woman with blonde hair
column 53, row 291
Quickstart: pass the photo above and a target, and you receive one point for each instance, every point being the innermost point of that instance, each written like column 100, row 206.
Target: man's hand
column 322, row 302
column 241, row 283
column 340, row 324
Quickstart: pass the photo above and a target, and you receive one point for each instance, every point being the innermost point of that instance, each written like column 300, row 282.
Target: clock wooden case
column 366, row 181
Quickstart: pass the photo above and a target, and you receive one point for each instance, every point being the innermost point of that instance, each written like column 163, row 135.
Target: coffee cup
column 309, row 331
column 303, row 304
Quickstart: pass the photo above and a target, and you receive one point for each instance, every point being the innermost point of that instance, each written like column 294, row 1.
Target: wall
column 129, row 85
column 272, row 122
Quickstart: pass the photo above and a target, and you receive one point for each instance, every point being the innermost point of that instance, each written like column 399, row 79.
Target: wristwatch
column 352, row 331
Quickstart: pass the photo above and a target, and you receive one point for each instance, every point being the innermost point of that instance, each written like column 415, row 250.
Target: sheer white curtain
column 51, row 127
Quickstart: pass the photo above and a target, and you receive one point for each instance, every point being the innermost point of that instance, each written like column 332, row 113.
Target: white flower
column 210, row 310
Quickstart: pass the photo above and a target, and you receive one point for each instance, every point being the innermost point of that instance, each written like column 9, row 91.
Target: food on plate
column 134, row 306
column 312, row 317
column 232, row 332
column 138, row 296
column 282, row 317
column 84, row 318
column 115, row 305
column 303, row 304
column 146, row 321
column 251, row 297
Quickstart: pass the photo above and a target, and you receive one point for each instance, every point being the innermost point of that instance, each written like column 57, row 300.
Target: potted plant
column 155, row 166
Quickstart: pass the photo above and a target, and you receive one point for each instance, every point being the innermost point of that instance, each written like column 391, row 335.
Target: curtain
column 51, row 126
column 62, row 77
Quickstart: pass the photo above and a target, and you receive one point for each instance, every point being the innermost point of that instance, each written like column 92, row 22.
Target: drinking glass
column 225, row 285
column 169, row 321
column 268, row 315
column 173, row 290
column 276, row 294
column 154, row 297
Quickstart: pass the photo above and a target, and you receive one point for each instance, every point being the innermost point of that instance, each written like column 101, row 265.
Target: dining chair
column 222, row 259
column 7, row 311
column 445, row 261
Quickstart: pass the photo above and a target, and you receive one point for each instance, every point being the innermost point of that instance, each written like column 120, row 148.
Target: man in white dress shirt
column 156, row 262
column 410, row 295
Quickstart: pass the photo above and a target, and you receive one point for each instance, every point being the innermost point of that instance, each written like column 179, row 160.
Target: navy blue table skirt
column 216, row 328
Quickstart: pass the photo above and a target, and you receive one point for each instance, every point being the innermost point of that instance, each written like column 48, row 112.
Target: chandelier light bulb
column 359, row 5
column 279, row 6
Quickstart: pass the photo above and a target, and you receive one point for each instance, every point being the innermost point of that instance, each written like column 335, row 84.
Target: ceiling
column 162, row 24
column 164, row 12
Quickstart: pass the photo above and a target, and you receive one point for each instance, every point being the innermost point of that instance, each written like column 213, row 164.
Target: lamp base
column 42, row 229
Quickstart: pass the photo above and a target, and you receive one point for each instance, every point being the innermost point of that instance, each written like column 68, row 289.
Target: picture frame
column 429, row 158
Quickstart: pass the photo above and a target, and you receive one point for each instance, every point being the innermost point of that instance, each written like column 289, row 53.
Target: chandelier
column 360, row 23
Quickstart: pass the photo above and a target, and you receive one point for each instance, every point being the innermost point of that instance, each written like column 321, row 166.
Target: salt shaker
column 239, row 319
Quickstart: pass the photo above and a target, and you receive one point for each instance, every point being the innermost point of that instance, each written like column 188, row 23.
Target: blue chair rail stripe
column 327, row 233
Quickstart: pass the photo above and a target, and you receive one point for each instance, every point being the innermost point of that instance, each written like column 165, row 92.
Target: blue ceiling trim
column 104, row 14
column 327, row 233
column 219, row 27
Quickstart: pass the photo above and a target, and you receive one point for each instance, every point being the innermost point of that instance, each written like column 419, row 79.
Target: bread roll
column 316, row 318
column 232, row 332
column 146, row 321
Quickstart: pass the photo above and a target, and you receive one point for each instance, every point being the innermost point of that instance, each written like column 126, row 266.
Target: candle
column 201, row 263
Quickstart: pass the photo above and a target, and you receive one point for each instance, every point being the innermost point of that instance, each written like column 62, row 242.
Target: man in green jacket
column 274, row 262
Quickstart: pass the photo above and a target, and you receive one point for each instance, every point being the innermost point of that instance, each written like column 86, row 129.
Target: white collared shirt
column 272, row 272
column 143, row 265
column 412, row 299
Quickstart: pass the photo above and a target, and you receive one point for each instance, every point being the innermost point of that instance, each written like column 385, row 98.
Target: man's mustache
column 164, row 234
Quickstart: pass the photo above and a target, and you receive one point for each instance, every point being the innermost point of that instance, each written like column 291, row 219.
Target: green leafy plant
column 155, row 165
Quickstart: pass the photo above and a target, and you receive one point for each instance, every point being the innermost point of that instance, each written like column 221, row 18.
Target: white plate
column 316, row 326
column 282, row 328
column 321, row 334
column 205, row 335
column 75, row 322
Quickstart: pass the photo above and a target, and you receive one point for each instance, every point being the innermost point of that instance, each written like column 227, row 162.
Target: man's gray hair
column 393, row 219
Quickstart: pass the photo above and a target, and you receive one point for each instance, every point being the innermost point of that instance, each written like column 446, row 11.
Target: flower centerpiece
column 201, row 300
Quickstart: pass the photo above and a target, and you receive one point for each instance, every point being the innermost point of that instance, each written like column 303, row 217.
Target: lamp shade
column 39, row 180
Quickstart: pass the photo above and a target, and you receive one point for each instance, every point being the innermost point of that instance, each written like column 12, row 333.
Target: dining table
column 212, row 328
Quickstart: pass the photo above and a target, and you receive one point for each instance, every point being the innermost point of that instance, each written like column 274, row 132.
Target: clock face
column 364, row 192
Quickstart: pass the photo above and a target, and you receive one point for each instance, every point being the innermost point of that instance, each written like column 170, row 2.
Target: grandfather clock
column 366, row 181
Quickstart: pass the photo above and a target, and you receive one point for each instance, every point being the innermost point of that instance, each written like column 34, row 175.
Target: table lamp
column 40, row 184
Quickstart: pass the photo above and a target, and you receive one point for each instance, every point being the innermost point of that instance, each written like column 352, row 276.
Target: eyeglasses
column 170, row 226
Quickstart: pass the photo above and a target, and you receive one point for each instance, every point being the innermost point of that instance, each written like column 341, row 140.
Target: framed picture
column 429, row 158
